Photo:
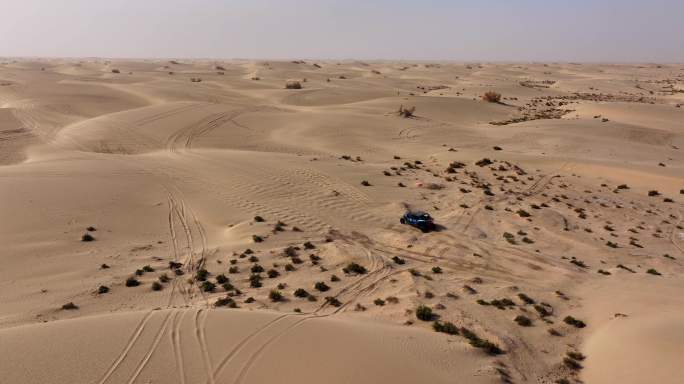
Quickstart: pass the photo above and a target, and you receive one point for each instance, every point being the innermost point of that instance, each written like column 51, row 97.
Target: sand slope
column 220, row 346
column 562, row 199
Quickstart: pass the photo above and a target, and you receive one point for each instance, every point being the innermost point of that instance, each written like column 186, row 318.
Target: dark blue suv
column 420, row 220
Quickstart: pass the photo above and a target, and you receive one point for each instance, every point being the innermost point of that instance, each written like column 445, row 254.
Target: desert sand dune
column 195, row 221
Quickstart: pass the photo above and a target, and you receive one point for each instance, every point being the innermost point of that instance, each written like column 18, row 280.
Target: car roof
column 417, row 213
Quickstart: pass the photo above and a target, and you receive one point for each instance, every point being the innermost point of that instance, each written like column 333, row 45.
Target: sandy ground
column 561, row 201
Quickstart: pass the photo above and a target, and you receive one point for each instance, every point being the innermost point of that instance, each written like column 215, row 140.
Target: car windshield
column 420, row 215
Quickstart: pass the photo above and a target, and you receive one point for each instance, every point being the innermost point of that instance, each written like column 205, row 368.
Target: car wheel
column 402, row 220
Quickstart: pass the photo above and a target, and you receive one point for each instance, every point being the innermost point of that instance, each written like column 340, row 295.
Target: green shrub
column 132, row 282
column 275, row 296
column 436, row 270
column 445, row 327
column 102, row 289
column 69, row 306
column 321, row 286
column 301, row 293
column 333, row 301
column 148, row 268
column 201, row 275
column 571, row 363
column 526, row 299
column 255, row 280
column 424, row 313
column 379, row 302
column 355, row 268
column 156, row 286
column 208, row 286
column 256, row 268
column 226, row 302
column 574, row 322
column 523, row 321
column 222, row 279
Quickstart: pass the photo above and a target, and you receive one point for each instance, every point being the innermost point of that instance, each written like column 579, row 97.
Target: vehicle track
column 131, row 342
column 176, row 344
column 199, row 325
column 152, row 349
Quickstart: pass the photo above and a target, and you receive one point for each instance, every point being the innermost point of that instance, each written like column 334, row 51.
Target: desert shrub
column 258, row 219
column 379, row 302
column 334, row 278
column 333, row 301
column 487, row 346
column 445, row 327
column 148, row 268
column 553, row 332
column 290, row 251
column 321, row 286
column 424, row 313
column 398, row 260
column 523, row 213
column 293, row 85
column 652, row 271
column 255, row 280
column 482, row 302
column 272, row 273
column 301, row 293
column 289, row 267
column 406, row 112
column 139, row 272
column 208, row 286
column 542, row 310
column 275, row 296
column 436, row 270
column 492, row 97
column 132, row 282
column 253, row 259
column 175, row 265
column 249, row 300
column 256, row 268
column 355, row 268
column 257, row 238
column 392, row 300
column 201, row 274
column 116, row 71
column 575, row 355
column 526, row 299
column 227, row 286
column 104, row 266
column 296, row 260
column 225, row 302
column 428, row 295
column 222, row 279
column 523, row 321
column 365, row 183
column 156, row 286
column 102, row 289
column 87, row 237
column 234, row 269
column 69, row 306
column 309, row 245
column 502, row 303
column 571, row 363
column 574, row 322
column 164, row 278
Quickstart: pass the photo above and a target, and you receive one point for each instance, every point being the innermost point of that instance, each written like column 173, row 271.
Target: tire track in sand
column 132, row 340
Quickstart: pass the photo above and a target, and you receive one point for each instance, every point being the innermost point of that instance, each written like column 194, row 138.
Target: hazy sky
column 488, row 30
